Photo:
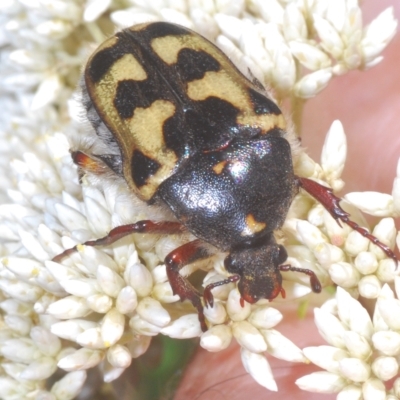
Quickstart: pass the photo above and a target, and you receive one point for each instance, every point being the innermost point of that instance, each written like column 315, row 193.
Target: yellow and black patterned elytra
column 188, row 132
column 194, row 97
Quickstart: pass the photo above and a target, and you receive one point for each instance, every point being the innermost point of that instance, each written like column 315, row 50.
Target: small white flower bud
column 69, row 386
column 258, row 367
column 139, row 277
column 352, row 313
column 249, row 337
column 356, row 243
column 373, row 389
column 344, row 274
column 294, row 22
column 387, row 270
column 163, row 293
column 119, row 356
column 396, row 192
column 357, row 345
column 81, row 359
column 47, row 92
column 92, row 257
column 396, row 387
column 138, row 345
column 48, row 343
column 369, row 287
column 284, row 63
column 126, row 300
column 334, row 151
column 71, row 329
column 373, row 203
column 110, row 282
column 313, row 83
column 230, row 26
column 82, row 287
column 216, row 314
column 91, row 339
column 19, row 324
column 281, row 347
column 99, row 303
column 20, row 290
column 61, row 272
column 98, row 217
column 111, row 373
column 185, row 327
column 40, row 369
column 70, row 218
column 379, row 322
column 350, row 392
column 330, row 328
column 22, row 267
column 112, row 327
column 265, row 317
column 151, row 311
column 217, row 338
column 355, row 369
column 385, row 368
column 328, row 254
column 159, row 274
column 20, row 350
column 69, row 307
column 378, row 34
column 385, row 231
column 14, row 307
column 366, row 262
column 141, row 327
column 309, row 56
column 330, row 38
column 234, row 308
column 322, row 382
column 310, row 235
column 326, row 357
column 389, row 309
column 388, row 342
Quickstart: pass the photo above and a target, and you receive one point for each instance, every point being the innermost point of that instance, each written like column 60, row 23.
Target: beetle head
column 258, row 268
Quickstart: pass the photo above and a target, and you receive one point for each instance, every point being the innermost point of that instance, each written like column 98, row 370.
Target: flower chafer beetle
column 186, row 130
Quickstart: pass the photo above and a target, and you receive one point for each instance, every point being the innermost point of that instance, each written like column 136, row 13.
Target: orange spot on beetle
column 218, row 168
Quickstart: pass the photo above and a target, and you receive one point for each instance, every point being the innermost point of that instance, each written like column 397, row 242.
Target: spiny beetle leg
column 146, row 226
column 174, row 262
column 314, row 281
column 331, row 202
column 208, row 296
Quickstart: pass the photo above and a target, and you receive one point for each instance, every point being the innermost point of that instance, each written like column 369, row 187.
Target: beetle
column 187, row 131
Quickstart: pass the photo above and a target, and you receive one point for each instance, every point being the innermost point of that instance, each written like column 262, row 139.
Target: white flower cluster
column 101, row 306
column 339, row 253
column 363, row 353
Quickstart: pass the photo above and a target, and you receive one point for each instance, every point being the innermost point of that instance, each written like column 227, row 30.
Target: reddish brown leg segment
column 163, row 228
column 314, row 281
column 331, row 202
column 208, row 296
column 175, row 261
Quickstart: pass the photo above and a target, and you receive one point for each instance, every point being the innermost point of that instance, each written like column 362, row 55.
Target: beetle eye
column 231, row 265
column 282, row 255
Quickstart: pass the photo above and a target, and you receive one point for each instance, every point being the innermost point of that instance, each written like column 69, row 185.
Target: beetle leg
column 146, row 226
column 314, row 281
column 208, row 296
column 174, row 262
column 331, row 203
